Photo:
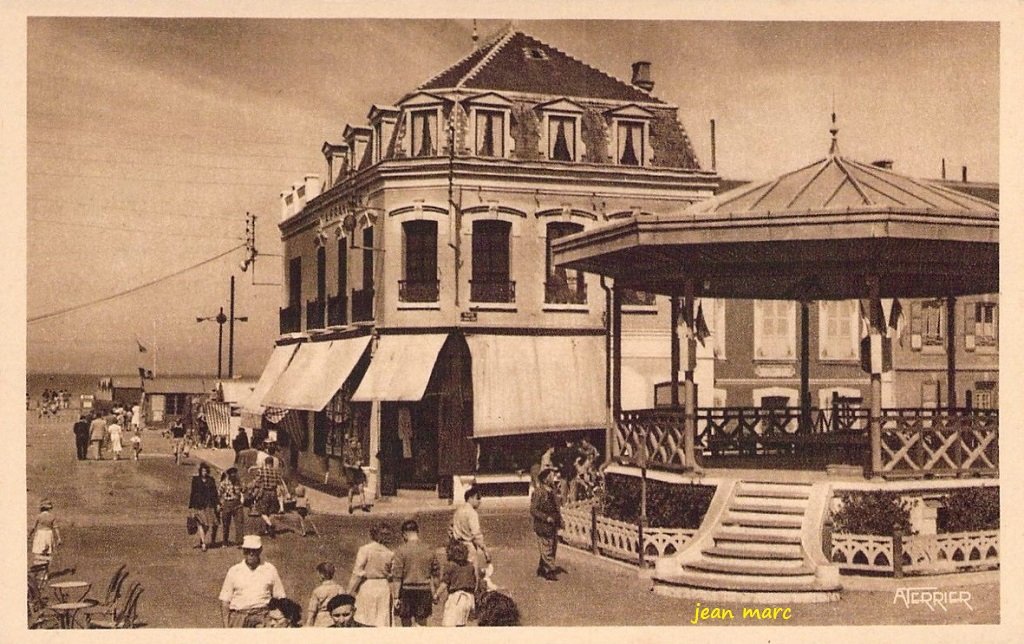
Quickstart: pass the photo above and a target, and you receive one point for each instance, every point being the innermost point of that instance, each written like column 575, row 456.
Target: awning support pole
column 875, row 422
column 951, row 399
column 690, row 425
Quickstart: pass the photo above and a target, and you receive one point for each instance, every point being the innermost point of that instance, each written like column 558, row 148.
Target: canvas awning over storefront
column 401, row 368
column 252, row 407
column 529, row 384
column 315, row 374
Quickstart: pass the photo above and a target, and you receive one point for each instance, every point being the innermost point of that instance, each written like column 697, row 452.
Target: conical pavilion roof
column 837, row 183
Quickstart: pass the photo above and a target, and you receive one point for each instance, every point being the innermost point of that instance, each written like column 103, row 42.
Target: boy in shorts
column 414, row 572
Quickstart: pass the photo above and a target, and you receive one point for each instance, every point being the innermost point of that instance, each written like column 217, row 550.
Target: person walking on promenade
column 45, row 539
column 355, row 478
column 459, row 580
column 136, row 441
column 240, row 442
column 466, row 529
column 178, row 438
column 81, row 430
column 98, row 434
column 114, row 431
column 317, row 613
column 267, row 481
column 370, row 580
column 413, row 577
column 202, row 501
column 342, row 609
column 229, row 494
column 248, row 587
column 547, row 519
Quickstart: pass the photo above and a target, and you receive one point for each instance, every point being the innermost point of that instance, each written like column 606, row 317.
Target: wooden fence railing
column 915, row 443
column 584, row 527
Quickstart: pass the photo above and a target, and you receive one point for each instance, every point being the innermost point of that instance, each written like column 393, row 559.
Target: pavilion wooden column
column 951, row 353
column 875, row 362
column 805, row 367
column 674, row 376
column 690, row 402
column 616, row 353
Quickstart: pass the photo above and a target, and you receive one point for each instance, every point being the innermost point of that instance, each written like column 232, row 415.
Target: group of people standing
column 93, row 431
column 386, row 588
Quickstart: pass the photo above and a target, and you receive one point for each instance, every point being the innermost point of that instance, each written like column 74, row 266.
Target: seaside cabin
column 172, row 398
column 119, row 391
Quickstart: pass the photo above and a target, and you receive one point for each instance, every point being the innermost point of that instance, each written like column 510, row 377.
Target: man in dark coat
column 240, row 442
column 82, row 437
column 547, row 519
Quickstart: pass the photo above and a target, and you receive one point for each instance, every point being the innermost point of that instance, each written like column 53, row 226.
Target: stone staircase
column 760, row 542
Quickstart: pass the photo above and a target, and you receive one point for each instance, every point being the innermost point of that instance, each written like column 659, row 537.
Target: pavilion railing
column 916, row 443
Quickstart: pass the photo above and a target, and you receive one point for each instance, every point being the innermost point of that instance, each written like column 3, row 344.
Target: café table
column 67, row 611
column 70, row 591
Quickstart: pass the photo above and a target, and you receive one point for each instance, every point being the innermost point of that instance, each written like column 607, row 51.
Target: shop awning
column 252, row 407
column 401, row 368
column 529, row 384
column 315, row 374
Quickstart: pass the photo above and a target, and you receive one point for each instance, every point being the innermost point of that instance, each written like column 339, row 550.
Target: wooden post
column 897, row 553
column 805, row 369
column 690, row 423
column 876, row 386
column 616, row 353
column 951, row 353
column 593, row 529
column 674, row 379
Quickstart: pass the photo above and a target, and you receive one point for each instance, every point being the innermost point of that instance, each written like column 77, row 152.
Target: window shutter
column 915, row 318
column 969, row 318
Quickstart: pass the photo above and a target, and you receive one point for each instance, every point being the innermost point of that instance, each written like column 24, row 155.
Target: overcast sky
column 149, row 139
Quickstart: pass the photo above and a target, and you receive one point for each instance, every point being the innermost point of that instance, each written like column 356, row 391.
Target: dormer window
column 382, row 120
column 490, row 133
column 424, row 133
column 630, row 129
column 560, row 138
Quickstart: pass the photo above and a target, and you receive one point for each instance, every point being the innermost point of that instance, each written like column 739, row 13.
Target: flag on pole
column 701, row 329
column 896, row 321
column 142, row 349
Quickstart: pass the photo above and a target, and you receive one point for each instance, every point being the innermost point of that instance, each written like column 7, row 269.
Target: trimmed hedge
column 969, row 509
column 875, row 513
column 668, row 505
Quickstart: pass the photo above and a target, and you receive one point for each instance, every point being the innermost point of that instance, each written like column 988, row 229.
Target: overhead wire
column 145, row 211
column 155, row 179
column 126, row 229
column 107, row 298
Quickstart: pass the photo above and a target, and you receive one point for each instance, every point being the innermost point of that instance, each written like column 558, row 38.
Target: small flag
column 701, row 331
column 896, row 321
column 872, row 313
column 142, row 349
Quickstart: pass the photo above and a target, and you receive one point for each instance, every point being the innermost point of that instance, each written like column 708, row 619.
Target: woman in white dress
column 114, row 432
column 369, row 581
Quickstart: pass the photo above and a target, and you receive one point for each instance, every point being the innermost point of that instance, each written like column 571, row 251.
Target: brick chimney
column 642, row 75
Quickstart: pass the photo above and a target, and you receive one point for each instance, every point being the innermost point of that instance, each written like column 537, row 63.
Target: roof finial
column 834, row 130
column 476, row 36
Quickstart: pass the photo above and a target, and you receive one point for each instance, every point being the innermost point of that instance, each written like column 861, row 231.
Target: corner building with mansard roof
column 421, row 309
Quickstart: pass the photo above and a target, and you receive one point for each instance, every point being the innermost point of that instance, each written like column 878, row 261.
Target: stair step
column 744, row 583
column 771, row 494
column 780, row 568
column 756, row 551
column 761, row 520
column 787, row 490
column 755, row 535
column 768, row 506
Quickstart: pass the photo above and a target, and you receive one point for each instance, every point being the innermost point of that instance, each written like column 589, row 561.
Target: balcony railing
column 362, row 305
column 290, row 318
column 632, row 297
column 418, row 291
column 314, row 314
column 337, row 313
column 499, row 291
column 559, row 292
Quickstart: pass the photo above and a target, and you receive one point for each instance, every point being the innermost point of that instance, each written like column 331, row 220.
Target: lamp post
column 220, row 319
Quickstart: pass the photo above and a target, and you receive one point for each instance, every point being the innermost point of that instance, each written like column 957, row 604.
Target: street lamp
column 220, row 319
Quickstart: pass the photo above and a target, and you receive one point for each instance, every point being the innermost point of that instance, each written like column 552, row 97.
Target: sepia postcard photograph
column 459, row 315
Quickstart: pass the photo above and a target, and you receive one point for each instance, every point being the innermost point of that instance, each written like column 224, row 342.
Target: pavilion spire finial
column 476, row 35
column 834, row 130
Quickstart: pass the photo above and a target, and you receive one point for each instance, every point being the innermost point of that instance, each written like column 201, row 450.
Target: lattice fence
column 921, row 554
column 618, row 539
